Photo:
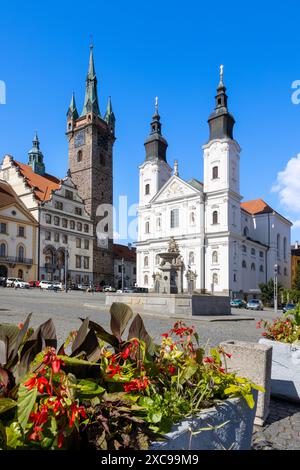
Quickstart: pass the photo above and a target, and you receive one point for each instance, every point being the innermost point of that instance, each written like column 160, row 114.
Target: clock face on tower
column 79, row 139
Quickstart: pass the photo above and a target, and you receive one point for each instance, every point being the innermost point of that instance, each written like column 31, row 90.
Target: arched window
column 174, row 218
column 215, row 279
column 252, row 267
column 214, row 257
column 146, row 280
column 20, row 273
column 191, row 257
column 146, row 261
column 215, row 217
column 278, row 245
column 79, row 155
column 215, row 172
column 244, row 264
column 246, row 232
column 252, row 251
column 244, row 249
column 284, row 248
column 3, row 250
column 261, row 268
column 192, row 218
column 147, row 189
column 157, row 259
column 21, row 252
column 147, row 227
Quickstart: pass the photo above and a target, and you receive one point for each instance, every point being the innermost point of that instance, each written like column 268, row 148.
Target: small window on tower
column 215, row 172
column 79, row 155
column 147, row 189
column 219, row 101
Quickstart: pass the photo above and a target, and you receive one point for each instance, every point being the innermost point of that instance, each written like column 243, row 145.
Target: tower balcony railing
column 15, row 259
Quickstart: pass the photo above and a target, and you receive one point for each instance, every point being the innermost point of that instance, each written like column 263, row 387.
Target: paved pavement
column 282, row 430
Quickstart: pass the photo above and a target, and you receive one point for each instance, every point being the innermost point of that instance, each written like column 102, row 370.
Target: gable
column 173, row 189
column 14, row 212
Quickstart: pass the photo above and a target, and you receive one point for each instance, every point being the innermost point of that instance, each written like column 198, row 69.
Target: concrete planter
column 235, row 434
column 285, row 375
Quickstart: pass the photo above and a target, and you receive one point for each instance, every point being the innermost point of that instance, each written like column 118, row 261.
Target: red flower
column 40, row 382
column 60, row 440
column 210, row 360
column 136, row 384
column 228, row 355
column 51, row 358
column 172, row 369
column 20, row 326
column 76, row 412
column 165, row 335
column 36, row 435
column 222, row 370
column 125, row 354
column 113, row 370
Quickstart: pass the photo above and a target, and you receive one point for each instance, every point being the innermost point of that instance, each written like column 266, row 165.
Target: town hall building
column 226, row 245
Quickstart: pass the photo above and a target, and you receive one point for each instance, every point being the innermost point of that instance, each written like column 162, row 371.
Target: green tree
column 267, row 291
column 296, row 282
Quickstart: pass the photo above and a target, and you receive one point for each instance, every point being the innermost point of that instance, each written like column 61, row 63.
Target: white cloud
column 288, row 187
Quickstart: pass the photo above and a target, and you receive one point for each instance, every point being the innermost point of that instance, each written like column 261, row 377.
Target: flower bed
column 100, row 391
column 283, row 335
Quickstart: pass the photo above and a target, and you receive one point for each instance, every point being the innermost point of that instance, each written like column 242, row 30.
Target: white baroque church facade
column 227, row 246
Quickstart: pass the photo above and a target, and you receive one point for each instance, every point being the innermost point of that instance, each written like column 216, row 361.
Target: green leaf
column 250, row 400
column 14, row 436
column 232, row 389
column 74, row 361
column 88, row 387
column 155, row 416
column 6, row 404
column 187, row 373
column 120, row 316
column 26, row 401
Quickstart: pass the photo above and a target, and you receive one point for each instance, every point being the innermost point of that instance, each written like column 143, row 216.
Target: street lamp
column 122, row 274
column 66, row 269
column 275, row 288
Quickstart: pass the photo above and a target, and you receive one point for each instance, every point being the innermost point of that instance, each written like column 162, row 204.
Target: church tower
column 154, row 171
column 222, row 197
column 35, row 157
column 91, row 140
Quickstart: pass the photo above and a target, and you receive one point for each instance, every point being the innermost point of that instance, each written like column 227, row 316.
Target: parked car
column 46, row 285
column 98, row 289
column 10, row 281
column 142, row 290
column 288, row 307
column 238, row 303
column 20, row 283
column 109, row 289
column 255, row 304
column 58, row 285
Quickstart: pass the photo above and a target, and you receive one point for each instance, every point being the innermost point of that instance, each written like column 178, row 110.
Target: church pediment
column 174, row 189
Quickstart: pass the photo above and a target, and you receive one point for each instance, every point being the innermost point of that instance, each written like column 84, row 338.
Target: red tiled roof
column 42, row 185
column 256, row 206
column 122, row 251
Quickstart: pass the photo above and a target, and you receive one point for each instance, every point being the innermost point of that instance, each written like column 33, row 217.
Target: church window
column 244, row 264
column 284, row 248
column 79, row 155
column 146, row 262
column 64, row 223
column 234, row 277
column 252, row 267
column 191, row 257
column 65, row 239
column 86, row 228
column 215, row 257
column 147, row 227
column 215, row 217
column 3, row 250
column 261, row 268
column 48, row 218
column 244, row 249
column 47, row 235
column 68, row 194
column 106, row 228
column 72, row 224
column 78, row 210
column 246, row 232
column 79, row 226
column 192, row 218
column 215, row 279
column 146, row 280
column 278, row 245
column 252, row 251
column 147, row 189
column 174, row 218
column 3, row 227
column 21, row 231
column 56, row 220
column 215, row 172
column 261, row 254
column 21, row 253
column 78, row 242
column 56, row 237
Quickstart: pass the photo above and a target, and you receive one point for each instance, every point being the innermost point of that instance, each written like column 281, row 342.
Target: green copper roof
column 91, row 97
column 109, row 115
column 72, row 111
column 36, row 158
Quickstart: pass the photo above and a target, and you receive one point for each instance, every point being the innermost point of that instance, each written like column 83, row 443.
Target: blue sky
column 171, row 49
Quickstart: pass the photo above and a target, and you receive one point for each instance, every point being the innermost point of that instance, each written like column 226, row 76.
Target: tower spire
column 72, row 110
column 155, row 144
column 91, row 96
column 220, row 121
column 35, row 156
